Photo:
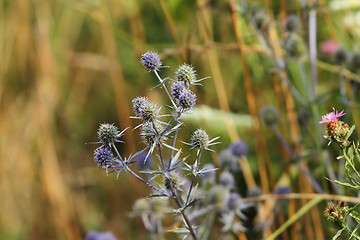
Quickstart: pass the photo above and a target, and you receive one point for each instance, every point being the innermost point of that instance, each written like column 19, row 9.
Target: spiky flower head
column 138, row 104
column 151, row 61
column 341, row 55
column 108, row 134
column 104, row 157
column 239, row 149
column 145, row 110
column 292, row 24
column 176, row 89
column 199, row 139
column 187, row 74
column 269, row 116
column 187, row 99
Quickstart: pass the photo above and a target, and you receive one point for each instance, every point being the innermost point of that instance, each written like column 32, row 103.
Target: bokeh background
column 67, row 66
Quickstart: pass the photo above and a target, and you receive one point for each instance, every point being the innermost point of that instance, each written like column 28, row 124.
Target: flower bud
column 199, row 139
column 108, row 134
column 186, row 74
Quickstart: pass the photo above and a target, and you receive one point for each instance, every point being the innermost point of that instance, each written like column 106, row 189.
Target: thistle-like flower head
column 176, row 89
column 108, row 134
column 104, row 157
column 187, row 74
column 151, row 61
column 145, row 110
column 187, row 99
column 332, row 116
column 199, row 139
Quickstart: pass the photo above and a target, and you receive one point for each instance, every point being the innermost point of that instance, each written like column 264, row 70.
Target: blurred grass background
column 67, row 66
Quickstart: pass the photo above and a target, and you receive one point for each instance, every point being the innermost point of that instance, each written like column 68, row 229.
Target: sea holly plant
column 339, row 133
column 159, row 132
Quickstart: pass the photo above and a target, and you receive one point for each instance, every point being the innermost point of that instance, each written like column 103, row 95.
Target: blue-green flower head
column 151, row 61
column 186, row 74
column 104, row 157
column 108, row 134
column 199, row 139
column 187, row 100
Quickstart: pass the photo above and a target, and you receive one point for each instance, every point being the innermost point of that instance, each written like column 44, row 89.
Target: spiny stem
column 137, row 176
column 176, row 198
column 162, row 82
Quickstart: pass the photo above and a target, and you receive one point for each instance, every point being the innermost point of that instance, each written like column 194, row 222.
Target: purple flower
column 104, row 157
column 332, row 116
column 177, row 89
column 93, row 235
column 151, row 61
column 144, row 109
column 187, row 99
column 239, row 148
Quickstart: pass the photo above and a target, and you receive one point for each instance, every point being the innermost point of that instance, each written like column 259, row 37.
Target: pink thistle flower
column 332, row 116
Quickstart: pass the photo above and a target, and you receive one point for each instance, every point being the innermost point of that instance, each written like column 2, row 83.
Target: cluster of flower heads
column 157, row 134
